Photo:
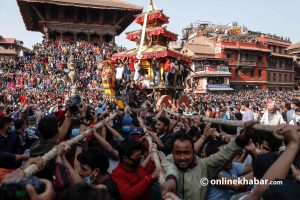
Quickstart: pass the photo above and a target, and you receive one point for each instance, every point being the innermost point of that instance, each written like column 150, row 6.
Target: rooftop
column 7, row 52
column 104, row 4
column 7, row 40
column 294, row 46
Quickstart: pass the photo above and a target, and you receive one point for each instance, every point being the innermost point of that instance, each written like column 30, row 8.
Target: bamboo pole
column 234, row 123
column 153, row 151
column 33, row 168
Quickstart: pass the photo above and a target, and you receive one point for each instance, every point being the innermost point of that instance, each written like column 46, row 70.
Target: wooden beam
column 48, row 12
column 88, row 15
column 76, row 12
column 61, row 13
column 122, row 19
column 115, row 17
column 101, row 17
column 38, row 12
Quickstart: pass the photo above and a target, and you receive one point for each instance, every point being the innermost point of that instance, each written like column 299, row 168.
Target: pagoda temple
column 67, row 20
column 155, row 44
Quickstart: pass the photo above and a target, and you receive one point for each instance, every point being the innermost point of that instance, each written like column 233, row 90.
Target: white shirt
column 119, row 72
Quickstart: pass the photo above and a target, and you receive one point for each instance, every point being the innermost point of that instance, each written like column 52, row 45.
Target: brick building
column 255, row 60
column 9, row 48
column 210, row 74
column 294, row 50
column 247, row 61
column 280, row 64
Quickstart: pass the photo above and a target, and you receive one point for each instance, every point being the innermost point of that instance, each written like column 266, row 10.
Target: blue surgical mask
column 88, row 180
column 75, row 132
column 11, row 129
column 126, row 129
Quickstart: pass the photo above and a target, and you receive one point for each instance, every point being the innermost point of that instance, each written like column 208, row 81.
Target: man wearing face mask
column 126, row 127
column 10, row 146
column 296, row 119
column 133, row 181
column 93, row 170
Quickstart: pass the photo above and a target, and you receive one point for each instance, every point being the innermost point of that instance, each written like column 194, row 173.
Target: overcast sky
column 280, row 17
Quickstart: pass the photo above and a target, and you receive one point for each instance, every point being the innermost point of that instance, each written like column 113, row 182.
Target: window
column 274, row 77
column 236, row 72
column 280, row 77
column 259, row 59
column 244, row 72
column 291, row 77
column 229, row 56
column 285, row 78
column 259, row 74
column 252, row 73
column 283, row 64
column 280, row 63
column 269, row 77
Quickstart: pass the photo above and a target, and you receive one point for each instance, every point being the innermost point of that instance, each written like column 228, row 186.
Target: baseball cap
column 126, row 121
column 136, row 130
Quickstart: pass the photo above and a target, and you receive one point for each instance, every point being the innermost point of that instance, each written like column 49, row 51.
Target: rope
column 33, row 168
column 153, row 151
column 234, row 123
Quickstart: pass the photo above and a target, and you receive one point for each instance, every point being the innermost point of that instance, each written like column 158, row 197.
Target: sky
column 280, row 17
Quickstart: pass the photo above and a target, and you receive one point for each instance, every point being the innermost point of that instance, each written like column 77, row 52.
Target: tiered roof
column 103, row 4
column 155, row 20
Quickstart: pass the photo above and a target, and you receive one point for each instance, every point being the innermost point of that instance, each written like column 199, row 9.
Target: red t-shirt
column 133, row 185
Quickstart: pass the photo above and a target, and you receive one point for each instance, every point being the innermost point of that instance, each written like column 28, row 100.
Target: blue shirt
column 219, row 193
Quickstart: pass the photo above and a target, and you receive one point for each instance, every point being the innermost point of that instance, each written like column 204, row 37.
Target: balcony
column 250, row 63
column 199, row 69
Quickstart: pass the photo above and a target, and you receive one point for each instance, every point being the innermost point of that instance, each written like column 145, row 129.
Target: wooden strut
column 234, row 123
column 154, row 152
column 33, row 168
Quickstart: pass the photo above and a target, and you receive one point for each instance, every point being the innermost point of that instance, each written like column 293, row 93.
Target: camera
column 17, row 190
column 76, row 104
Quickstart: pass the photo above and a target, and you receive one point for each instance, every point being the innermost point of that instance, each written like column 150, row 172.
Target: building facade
column 247, row 62
column 209, row 74
column 294, row 50
column 281, row 73
column 255, row 60
column 9, row 48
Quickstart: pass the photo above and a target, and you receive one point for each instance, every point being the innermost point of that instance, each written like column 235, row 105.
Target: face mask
column 136, row 162
column 11, row 129
column 75, row 132
column 88, row 180
column 297, row 118
column 126, row 129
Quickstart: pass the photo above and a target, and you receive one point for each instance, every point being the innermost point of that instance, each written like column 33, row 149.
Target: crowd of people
column 116, row 161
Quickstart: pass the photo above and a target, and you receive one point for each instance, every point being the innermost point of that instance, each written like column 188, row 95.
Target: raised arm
column 282, row 165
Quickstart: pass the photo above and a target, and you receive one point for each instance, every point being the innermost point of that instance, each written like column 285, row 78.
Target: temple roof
column 201, row 49
column 35, row 16
column 104, row 4
column 152, row 31
column 294, row 46
column 153, row 15
column 157, row 51
column 7, row 40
